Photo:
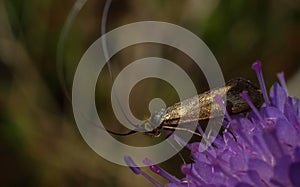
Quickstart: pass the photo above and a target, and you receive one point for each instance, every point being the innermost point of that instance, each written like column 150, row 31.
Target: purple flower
column 265, row 151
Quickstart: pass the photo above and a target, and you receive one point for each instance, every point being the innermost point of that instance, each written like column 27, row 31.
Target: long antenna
column 181, row 129
column 122, row 134
column 106, row 55
column 103, row 31
column 61, row 44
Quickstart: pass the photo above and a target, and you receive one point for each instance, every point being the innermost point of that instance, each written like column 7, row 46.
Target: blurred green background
column 40, row 143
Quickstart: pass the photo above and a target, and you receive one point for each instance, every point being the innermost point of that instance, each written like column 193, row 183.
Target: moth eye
column 147, row 126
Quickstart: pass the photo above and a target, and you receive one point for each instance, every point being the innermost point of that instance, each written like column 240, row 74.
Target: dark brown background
column 40, row 143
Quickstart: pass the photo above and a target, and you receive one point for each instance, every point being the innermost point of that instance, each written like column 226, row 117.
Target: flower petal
column 281, row 79
column 294, row 173
column 286, row 133
column 278, row 96
column 191, row 175
column 290, row 113
column 263, row 169
column 238, row 162
column 255, row 178
column 281, row 170
column 297, row 154
column 272, row 113
column 242, row 184
column 272, row 143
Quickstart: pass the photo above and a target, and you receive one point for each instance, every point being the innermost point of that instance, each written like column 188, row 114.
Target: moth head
column 150, row 129
column 152, row 125
column 157, row 117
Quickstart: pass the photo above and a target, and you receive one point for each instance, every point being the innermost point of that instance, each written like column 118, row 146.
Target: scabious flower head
column 264, row 152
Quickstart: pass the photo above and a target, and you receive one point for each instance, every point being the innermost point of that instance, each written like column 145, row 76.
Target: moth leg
column 200, row 130
column 223, row 129
column 181, row 129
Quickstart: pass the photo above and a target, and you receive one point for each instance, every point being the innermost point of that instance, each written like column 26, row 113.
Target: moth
column 186, row 111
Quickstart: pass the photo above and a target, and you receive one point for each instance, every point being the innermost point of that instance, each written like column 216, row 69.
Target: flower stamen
column 245, row 96
column 158, row 170
column 257, row 67
column 281, row 79
column 138, row 171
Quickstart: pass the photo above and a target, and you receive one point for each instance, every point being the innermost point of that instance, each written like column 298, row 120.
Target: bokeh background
column 40, row 144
